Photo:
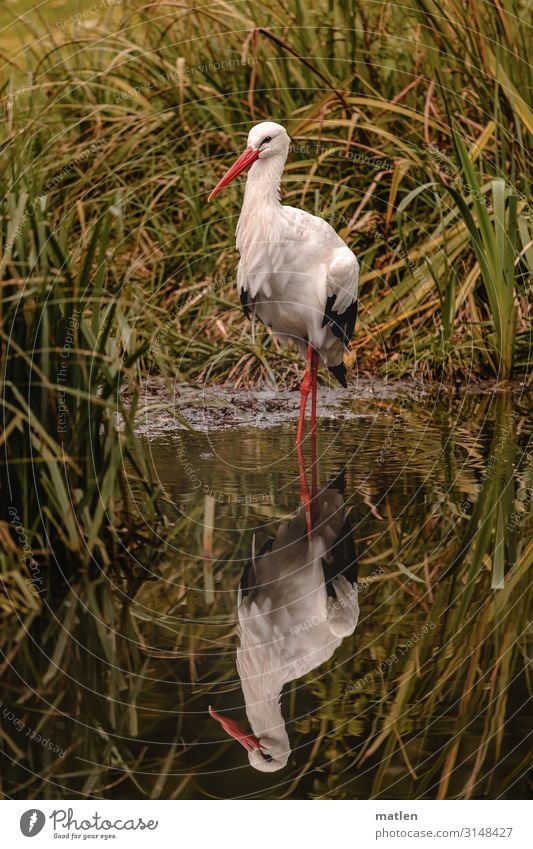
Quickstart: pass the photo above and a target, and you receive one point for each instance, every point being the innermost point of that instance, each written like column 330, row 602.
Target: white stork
column 296, row 602
column 295, row 272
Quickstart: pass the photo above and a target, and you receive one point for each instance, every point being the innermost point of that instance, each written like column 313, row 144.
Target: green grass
column 63, row 461
column 438, row 214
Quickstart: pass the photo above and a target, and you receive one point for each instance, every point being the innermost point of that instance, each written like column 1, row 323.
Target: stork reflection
column 297, row 601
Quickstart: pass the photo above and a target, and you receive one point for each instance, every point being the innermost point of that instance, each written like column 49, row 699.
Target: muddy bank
column 164, row 408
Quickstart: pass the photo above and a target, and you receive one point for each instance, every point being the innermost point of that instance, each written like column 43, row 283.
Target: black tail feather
column 340, row 373
column 339, row 481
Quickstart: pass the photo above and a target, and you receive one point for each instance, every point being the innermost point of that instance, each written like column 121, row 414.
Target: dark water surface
column 425, row 696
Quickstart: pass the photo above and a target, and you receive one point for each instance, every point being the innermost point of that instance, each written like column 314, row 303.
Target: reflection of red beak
column 243, row 162
column 236, row 731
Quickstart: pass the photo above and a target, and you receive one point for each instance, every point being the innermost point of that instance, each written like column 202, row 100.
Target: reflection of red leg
column 304, row 392
column 314, row 380
column 314, row 480
column 305, row 495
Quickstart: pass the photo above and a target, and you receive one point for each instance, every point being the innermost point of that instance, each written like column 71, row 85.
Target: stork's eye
column 266, row 140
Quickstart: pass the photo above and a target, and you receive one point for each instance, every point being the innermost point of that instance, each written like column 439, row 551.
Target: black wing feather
column 245, row 579
column 342, row 324
column 244, row 302
column 341, row 559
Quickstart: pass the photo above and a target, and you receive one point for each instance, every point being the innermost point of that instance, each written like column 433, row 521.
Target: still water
column 354, row 617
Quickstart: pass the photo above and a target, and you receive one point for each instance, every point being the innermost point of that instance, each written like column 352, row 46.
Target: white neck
column 263, row 708
column 265, row 716
column 263, row 181
column 261, row 201
column 268, row 725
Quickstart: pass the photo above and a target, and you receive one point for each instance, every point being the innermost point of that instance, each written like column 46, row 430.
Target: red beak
column 243, row 162
column 236, row 731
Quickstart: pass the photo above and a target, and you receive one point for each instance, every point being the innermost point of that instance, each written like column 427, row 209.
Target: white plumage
column 295, row 272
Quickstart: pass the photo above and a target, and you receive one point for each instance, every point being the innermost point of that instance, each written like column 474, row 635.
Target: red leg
column 314, row 481
column 314, row 379
column 304, row 392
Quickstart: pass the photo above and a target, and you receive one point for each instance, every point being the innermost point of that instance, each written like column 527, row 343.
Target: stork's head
column 267, row 754
column 265, row 140
column 269, row 139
